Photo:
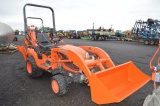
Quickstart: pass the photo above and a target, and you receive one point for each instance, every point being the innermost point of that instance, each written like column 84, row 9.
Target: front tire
column 32, row 69
column 59, row 85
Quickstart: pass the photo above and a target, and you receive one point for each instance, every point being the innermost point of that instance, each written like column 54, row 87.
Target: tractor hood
column 81, row 52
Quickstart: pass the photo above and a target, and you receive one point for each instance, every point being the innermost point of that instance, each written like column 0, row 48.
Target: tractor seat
column 44, row 42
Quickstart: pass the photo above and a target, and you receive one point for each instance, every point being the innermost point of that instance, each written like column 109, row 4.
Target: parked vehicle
column 100, row 33
column 147, row 31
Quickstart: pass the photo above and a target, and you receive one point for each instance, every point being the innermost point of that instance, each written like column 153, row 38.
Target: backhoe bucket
column 117, row 83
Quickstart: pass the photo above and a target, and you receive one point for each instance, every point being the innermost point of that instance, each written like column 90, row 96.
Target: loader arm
column 108, row 85
column 101, row 53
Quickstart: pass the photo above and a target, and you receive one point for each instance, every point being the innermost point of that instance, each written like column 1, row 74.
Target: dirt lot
column 17, row 89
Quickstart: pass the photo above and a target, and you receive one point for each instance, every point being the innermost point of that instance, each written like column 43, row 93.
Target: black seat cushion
column 44, row 41
column 45, row 44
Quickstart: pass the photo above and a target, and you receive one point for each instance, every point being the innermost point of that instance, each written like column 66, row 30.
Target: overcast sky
column 80, row 14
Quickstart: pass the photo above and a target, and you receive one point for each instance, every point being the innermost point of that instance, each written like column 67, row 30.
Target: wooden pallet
column 8, row 51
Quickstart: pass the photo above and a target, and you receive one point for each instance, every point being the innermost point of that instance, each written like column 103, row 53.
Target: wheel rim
column 55, row 86
column 29, row 67
column 146, row 42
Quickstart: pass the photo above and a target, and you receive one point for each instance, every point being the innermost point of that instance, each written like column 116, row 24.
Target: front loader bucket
column 117, row 83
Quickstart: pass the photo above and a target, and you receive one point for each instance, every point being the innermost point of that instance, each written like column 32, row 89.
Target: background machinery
column 100, row 34
column 147, row 31
column 82, row 34
column 61, row 33
column 72, row 34
column 120, row 35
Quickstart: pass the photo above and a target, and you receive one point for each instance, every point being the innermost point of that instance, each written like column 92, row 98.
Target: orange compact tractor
column 83, row 64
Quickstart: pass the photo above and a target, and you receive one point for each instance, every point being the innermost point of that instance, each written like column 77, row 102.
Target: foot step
column 46, row 64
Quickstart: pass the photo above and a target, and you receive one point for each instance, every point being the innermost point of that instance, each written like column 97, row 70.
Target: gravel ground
column 17, row 89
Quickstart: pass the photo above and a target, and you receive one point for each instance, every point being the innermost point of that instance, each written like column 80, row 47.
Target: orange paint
column 29, row 67
column 55, row 86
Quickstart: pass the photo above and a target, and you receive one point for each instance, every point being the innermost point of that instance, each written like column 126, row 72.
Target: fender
column 77, row 59
column 76, row 49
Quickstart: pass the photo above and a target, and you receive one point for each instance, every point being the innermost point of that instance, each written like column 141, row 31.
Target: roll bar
column 37, row 18
column 41, row 6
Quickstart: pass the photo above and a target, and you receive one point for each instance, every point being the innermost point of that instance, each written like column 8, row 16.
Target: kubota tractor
column 83, row 64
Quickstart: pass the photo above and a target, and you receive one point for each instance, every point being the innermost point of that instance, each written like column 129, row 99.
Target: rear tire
column 104, row 38
column 32, row 70
column 68, row 37
column 59, row 85
column 92, row 38
column 146, row 42
column 151, row 42
column 156, row 42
